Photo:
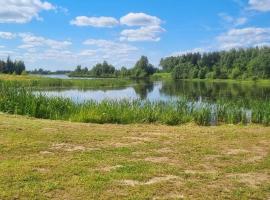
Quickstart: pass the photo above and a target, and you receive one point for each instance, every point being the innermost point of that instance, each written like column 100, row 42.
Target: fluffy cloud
column 7, row 35
column 150, row 26
column 31, row 41
column 148, row 33
column 95, row 21
column 245, row 37
column 115, row 52
column 110, row 45
column 259, row 5
column 22, row 11
column 140, row 19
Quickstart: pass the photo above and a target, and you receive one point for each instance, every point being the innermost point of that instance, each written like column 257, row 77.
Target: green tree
column 143, row 68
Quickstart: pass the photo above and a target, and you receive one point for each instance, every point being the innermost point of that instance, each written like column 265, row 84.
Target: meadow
column 44, row 159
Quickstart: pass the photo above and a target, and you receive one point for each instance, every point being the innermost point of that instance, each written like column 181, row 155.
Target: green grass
column 38, row 81
column 261, row 82
column 15, row 99
column 161, row 76
column 43, row 159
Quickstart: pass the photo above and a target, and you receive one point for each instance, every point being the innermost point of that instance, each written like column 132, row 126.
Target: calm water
column 168, row 90
column 62, row 76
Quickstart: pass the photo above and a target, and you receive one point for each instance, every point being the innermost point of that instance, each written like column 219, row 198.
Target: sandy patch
column 236, row 151
column 170, row 196
column 109, row 168
column 251, row 179
column 46, row 153
column 142, row 139
column 212, row 157
column 71, row 147
column 254, row 159
column 48, row 130
column 158, row 159
column 164, row 150
column 200, row 172
column 122, row 144
column 67, row 147
column 42, row 170
column 154, row 180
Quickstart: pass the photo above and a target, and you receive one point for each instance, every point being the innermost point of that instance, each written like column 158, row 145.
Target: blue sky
column 60, row 34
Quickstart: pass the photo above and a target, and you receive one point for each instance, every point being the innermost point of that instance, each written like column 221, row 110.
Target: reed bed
column 15, row 99
column 43, row 82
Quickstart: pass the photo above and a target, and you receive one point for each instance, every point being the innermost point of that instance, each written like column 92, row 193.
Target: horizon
column 59, row 35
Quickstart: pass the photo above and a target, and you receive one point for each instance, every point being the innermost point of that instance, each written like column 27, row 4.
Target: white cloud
column 245, row 37
column 7, row 35
column 259, row 5
column 233, row 21
column 148, row 33
column 5, row 54
column 95, row 21
column 149, row 26
column 30, row 41
column 88, row 52
column 140, row 19
column 110, row 45
column 240, row 21
column 112, row 51
column 22, row 11
column 38, row 51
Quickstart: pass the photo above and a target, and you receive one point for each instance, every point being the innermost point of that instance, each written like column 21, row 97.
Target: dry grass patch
column 67, row 147
column 154, row 180
column 251, row 179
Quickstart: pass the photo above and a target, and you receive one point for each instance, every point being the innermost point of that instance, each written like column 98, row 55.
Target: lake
column 167, row 90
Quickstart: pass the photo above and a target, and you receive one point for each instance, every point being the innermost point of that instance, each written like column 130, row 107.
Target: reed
column 15, row 99
column 43, row 82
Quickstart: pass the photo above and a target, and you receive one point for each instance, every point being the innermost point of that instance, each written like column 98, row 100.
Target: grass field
column 43, row 159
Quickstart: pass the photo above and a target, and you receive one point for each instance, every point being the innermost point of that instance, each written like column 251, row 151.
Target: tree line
column 234, row 64
column 12, row 67
column 142, row 69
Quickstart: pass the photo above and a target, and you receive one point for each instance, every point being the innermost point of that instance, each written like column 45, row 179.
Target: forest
column 251, row 63
column 142, row 69
column 12, row 67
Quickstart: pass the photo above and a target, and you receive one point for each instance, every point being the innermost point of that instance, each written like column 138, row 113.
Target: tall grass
column 65, row 83
column 15, row 99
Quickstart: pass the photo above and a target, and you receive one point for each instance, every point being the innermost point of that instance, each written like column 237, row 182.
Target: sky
column 61, row 34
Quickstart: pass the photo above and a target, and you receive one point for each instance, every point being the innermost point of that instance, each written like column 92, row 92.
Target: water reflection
column 168, row 90
column 215, row 91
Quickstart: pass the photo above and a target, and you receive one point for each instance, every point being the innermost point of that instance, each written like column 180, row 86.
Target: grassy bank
column 167, row 76
column 43, row 159
column 38, row 81
column 18, row 100
column 239, row 81
column 161, row 76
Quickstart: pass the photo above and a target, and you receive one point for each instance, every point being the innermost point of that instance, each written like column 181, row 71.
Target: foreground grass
column 43, row 159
